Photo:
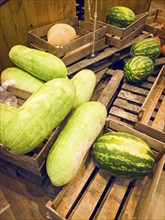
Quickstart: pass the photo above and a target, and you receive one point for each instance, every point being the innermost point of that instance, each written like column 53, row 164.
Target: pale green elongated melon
column 6, row 113
column 41, row 64
column 67, row 154
column 85, row 82
column 39, row 115
column 23, row 80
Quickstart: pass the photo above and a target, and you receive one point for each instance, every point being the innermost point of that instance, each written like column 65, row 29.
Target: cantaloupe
column 60, row 34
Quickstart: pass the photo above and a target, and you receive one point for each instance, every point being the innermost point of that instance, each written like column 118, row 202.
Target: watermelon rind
column 138, row 69
column 123, row 155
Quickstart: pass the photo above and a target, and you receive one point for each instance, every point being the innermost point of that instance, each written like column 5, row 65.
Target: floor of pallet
column 27, row 200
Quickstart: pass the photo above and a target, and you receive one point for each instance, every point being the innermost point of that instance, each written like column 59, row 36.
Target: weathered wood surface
column 94, row 194
column 156, row 95
column 19, row 17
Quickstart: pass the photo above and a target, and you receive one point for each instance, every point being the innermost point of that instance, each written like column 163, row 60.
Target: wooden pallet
column 151, row 117
column 155, row 22
column 130, row 98
column 94, row 194
column 118, row 37
column 76, row 49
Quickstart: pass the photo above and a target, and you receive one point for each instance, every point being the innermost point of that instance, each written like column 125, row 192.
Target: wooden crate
column 130, row 98
column 151, row 117
column 118, row 37
column 34, row 161
column 76, row 49
column 94, row 194
column 155, row 22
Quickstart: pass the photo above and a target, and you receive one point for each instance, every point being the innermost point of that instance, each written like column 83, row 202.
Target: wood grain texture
column 18, row 17
column 104, row 6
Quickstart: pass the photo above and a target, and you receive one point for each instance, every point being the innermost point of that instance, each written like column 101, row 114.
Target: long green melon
column 85, row 82
column 123, row 155
column 41, row 64
column 39, row 115
column 67, row 154
column 138, row 69
column 147, row 47
column 6, row 113
column 120, row 16
column 23, row 80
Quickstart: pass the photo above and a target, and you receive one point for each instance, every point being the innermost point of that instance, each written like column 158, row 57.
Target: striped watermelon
column 138, row 69
column 147, row 47
column 123, row 155
column 120, row 16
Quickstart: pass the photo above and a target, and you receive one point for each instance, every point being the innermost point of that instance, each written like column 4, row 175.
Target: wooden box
column 34, row 161
column 155, row 22
column 94, row 194
column 151, row 118
column 119, row 37
column 76, row 49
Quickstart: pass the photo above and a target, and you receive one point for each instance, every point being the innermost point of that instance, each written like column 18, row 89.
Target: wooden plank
column 143, row 193
column 152, row 97
column 113, row 200
column 117, row 42
column 120, row 112
column 122, row 103
column 19, row 92
column 82, row 51
column 135, row 89
column 159, row 121
column 91, row 197
column 150, row 131
column 72, row 190
column 131, row 96
column 110, row 89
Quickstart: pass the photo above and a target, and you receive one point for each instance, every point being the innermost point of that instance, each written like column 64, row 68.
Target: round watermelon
column 147, row 47
column 138, row 69
column 123, row 155
column 120, row 16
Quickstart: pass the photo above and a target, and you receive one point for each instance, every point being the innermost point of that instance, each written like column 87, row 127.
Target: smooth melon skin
column 66, row 155
column 40, row 64
column 85, row 82
column 61, row 34
column 6, row 113
column 23, row 80
column 123, row 155
column 39, row 115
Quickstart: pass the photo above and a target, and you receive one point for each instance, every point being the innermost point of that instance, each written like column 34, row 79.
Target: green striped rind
column 120, row 16
column 138, row 69
column 6, row 113
column 148, row 47
column 123, row 155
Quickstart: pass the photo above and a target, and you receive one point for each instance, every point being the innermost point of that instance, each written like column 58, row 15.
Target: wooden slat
column 72, row 190
column 159, row 121
column 135, row 89
column 110, row 89
column 91, row 197
column 123, row 114
column 131, row 96
column 113, row 200
column 122, row 103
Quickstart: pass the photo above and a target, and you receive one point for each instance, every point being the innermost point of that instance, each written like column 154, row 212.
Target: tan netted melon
column 60, row 34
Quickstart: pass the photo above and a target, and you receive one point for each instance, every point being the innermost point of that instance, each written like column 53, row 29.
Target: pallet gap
column 104, row 194
column 90, row 179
